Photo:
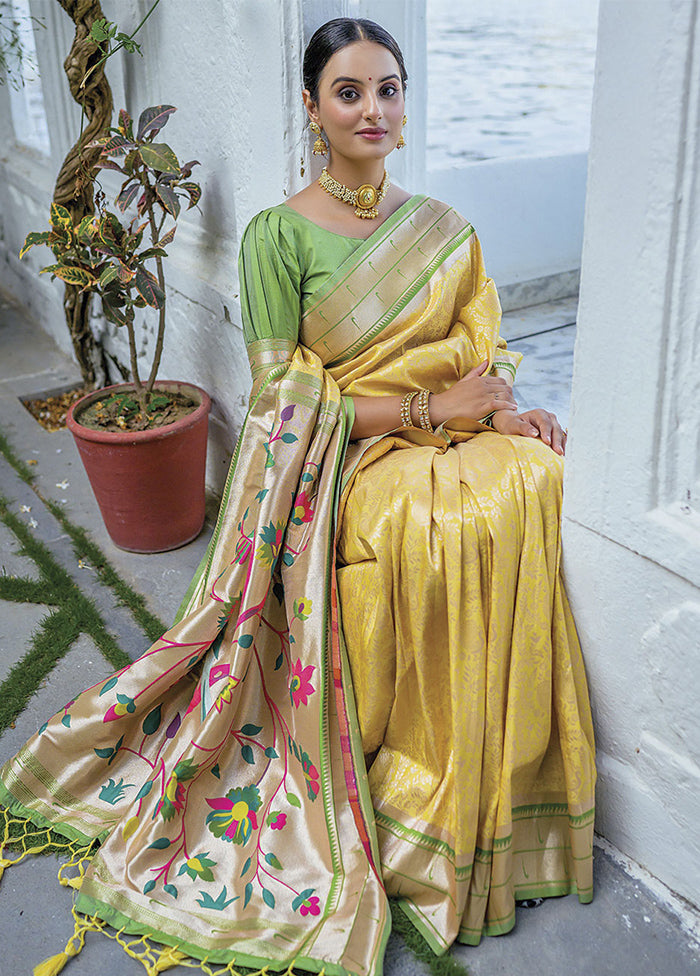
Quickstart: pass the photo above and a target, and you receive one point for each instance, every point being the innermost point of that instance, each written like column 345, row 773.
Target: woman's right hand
column 473, row 397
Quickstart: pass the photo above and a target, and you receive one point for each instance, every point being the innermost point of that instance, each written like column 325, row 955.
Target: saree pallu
column 223, row 771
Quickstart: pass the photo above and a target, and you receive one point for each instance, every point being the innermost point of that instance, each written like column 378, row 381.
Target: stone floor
column 633, row 924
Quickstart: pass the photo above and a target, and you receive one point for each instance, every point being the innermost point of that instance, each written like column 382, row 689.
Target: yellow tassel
column 52, row 966
column 167, row 958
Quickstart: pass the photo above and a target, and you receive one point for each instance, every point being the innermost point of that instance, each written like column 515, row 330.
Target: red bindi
column 370, row 79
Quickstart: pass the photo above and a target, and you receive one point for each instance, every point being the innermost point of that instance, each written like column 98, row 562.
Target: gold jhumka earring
column 319, row 147
column 402, row 142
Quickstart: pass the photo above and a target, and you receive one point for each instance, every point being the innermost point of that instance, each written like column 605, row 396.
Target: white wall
column 232, row 70
column 632, row 494
column 528, row 213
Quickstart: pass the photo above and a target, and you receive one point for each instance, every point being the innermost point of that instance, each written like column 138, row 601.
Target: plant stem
column 141, row 393
column 158, row 352
column 119, row 46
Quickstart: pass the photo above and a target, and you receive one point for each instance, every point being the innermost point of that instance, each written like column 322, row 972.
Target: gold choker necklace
column 364, row 199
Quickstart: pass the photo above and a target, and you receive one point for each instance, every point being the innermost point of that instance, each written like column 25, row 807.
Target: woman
column 224, row 771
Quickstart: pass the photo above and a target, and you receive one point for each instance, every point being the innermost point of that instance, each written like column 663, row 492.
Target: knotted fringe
column 23, row 837
column 21, row 834
column 54, row 964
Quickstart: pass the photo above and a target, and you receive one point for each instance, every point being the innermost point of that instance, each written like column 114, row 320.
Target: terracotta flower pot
column 149, row 484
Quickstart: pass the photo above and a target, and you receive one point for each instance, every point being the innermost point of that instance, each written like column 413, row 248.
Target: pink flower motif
column 301, row 509
column 300, row 686
column 277, row 820
column 233, row 816
column 310, row 906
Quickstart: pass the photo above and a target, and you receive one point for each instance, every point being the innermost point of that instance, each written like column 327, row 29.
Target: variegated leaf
column 160, row 157
column 109, row 274
column 72, row 276
column 31, row 240
column 59, row 217
column 168, row 198
column 154, row 118
column 127, row 195
column 194, row 191
column 167, row 238
column 149, row 289
column 125, row 125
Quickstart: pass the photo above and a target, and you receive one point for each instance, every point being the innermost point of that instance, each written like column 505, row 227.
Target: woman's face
column 360, row 102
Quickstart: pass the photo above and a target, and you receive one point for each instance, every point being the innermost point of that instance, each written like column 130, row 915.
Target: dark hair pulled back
column 339, row 33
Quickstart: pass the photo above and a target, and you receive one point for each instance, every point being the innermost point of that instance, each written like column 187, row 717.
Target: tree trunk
column 74, row 188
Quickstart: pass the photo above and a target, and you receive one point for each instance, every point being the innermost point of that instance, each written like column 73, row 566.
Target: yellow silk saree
column 224, row 772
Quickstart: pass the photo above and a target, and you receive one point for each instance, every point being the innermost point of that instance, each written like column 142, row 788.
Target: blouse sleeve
column 270, row 279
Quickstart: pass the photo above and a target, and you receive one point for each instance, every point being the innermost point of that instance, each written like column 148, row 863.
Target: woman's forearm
column 378, row 415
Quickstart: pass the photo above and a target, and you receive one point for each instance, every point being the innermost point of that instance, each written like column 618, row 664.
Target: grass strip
column 21, row 589
column 20, row 467
column 56, row 634
column 85, row 548
column 59, row 631
column 445, row 965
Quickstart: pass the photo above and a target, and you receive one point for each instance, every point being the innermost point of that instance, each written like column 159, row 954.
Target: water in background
column 508, row 78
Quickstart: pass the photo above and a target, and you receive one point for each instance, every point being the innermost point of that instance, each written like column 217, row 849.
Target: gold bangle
column 406, row 401
column 424, row 411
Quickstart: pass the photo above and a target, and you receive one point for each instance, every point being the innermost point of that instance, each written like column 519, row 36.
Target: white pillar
column 632, row 494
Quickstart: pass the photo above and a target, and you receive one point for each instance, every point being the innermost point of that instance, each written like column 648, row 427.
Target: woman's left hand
column 532, row 423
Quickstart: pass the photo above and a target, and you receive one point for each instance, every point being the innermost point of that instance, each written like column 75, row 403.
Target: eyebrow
column 356, row 81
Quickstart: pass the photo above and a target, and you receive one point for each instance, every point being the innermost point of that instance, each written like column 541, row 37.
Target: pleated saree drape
column 224, row 771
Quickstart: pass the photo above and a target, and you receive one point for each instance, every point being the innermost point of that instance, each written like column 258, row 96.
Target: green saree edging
column 90, row 906
column 17, row 809
column 205, row 562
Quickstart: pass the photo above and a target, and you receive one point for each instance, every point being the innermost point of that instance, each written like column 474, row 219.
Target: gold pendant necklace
column 364, row 199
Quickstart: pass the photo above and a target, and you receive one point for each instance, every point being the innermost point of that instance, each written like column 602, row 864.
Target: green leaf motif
column 151, row 723
column 171, row 890
column 215, row 771
column 66, row 721
column 245, row 640
column 280, row 661
column 293, row 800
column 268, row 898
column 145, row 790
column 160, row 156
column 248, row 893
column 160, row 845
column 148, row 887
column 251, row 729
column 113, row 792
column 217, row 904
column 271, row 753
column 247, row 754
column 186, row 769
column 273, row 861
column 246, row 866
column 301, row 898
column 109, row 684
column 289, row 438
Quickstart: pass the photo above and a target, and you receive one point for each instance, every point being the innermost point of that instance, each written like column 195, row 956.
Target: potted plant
column 143, row 443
